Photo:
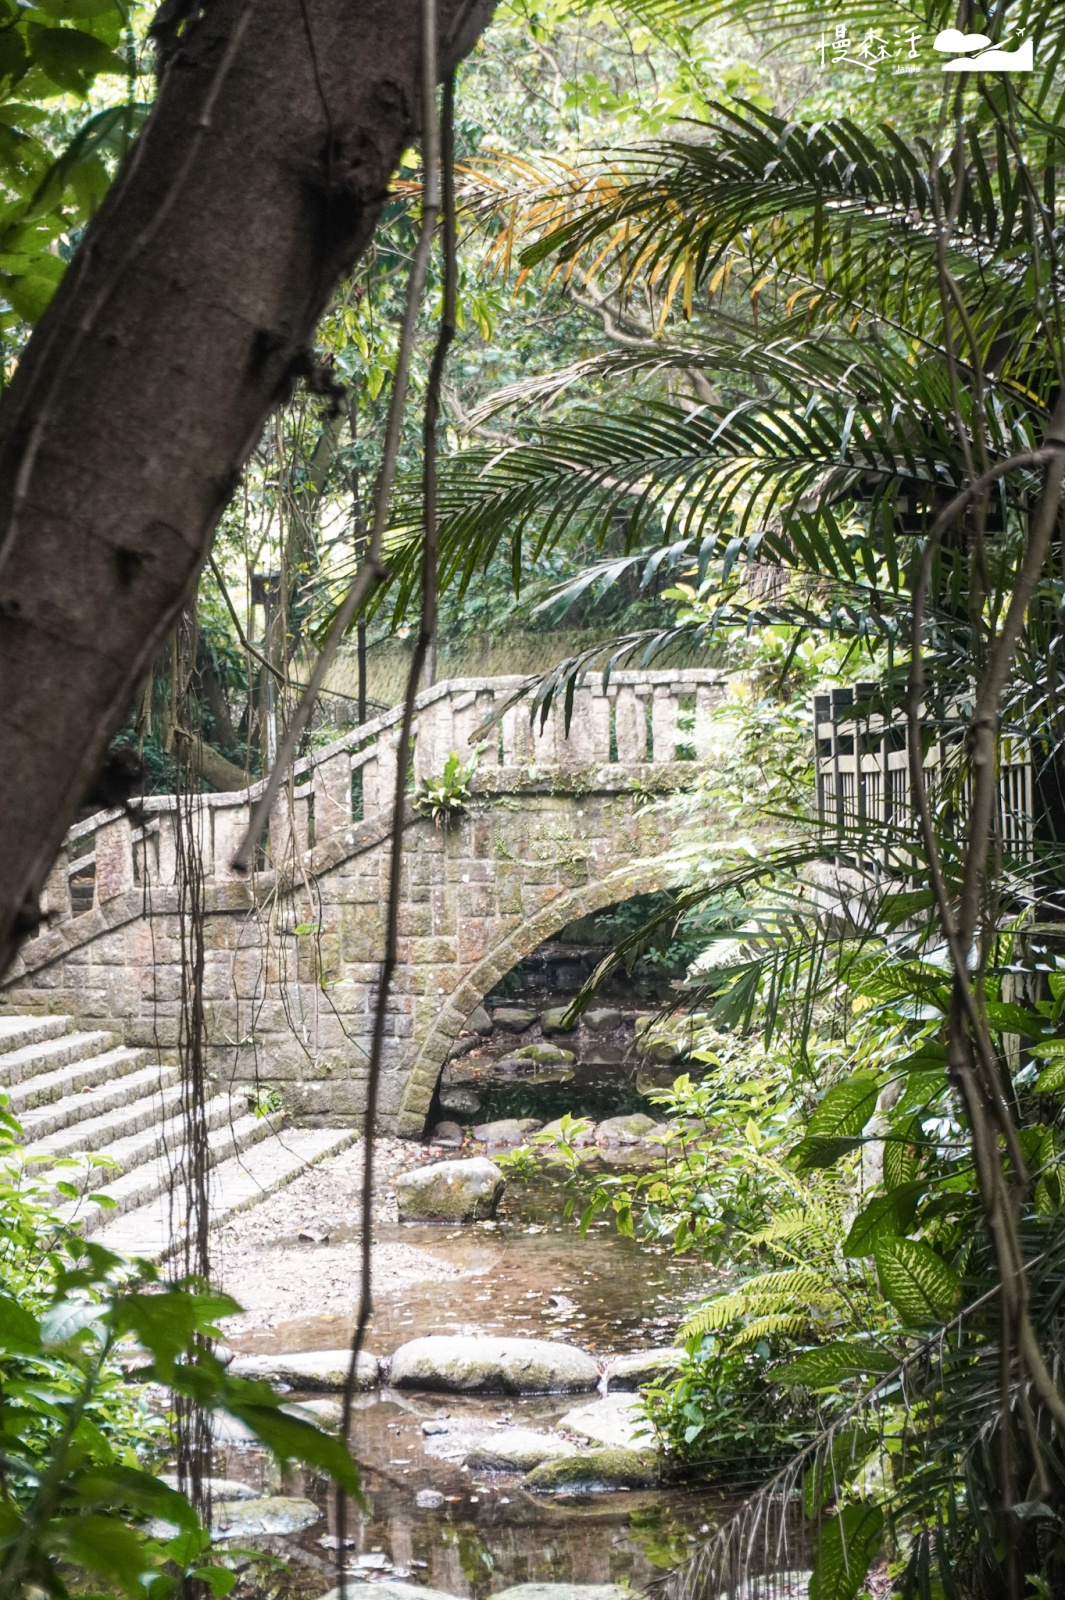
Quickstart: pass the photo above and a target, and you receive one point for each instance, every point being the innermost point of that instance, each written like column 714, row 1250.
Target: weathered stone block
column 450, row 1191
column 460, row 1364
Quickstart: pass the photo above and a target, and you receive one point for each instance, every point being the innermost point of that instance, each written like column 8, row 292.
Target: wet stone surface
column 446, row 1509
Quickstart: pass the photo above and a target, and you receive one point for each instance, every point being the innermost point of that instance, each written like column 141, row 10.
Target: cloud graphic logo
column 952, row 40
column 991, row 58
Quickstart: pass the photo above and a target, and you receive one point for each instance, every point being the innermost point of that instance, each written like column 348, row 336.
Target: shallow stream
column 528, row 1274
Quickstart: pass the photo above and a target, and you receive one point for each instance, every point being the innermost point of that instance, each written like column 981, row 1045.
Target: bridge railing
column 862, row 774
column 642, row 719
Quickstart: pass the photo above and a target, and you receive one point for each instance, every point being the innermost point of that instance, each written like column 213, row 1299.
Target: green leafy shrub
column 445, row 798
column 78, row 1498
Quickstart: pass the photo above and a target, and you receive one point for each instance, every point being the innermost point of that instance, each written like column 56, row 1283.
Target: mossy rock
column 544, row 1055
column 629, row 1129
column 514, row 1018
column 594, row 1472
column 605, row 1017
column 450, row 1191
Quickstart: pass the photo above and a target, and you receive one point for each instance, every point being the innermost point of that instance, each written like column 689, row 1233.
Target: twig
column 245, row 642
column 431, row 207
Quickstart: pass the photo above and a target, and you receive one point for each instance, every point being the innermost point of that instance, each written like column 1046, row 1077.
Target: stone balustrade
column 641, row 720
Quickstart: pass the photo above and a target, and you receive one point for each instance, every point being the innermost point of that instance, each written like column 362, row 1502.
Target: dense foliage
column 750, row 363
column 866, row 313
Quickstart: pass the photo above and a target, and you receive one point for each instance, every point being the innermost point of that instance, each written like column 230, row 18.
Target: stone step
column 141, row 1156
column 79, row 1113
column 16, row 1032
column 136, row 1134
column 236, row 1184
column 158, row 1176
column 33, row 1060
column 73, row 1076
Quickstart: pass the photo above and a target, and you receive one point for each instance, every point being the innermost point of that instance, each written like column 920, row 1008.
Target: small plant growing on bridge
column 263, row 1100
column 447, row 797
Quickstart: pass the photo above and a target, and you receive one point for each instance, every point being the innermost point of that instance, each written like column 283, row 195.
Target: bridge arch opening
column 515, row 1053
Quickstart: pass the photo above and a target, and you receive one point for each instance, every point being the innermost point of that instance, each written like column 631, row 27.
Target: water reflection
column 529, row 1274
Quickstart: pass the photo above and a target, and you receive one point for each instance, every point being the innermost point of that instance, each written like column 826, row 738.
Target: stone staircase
column 101, row 1118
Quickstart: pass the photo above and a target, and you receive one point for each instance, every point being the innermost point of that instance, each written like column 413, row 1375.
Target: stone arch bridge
column 556, row 828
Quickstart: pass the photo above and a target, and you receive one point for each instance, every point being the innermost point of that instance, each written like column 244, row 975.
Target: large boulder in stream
column 515, row 1450
column 494, row 1449
column 272, row 1515
column 477, row 1364
column 632, row 1129
column 594, row 1472
column 641, row 1366
column 259, row 1517
column 450, row 1191
column 459, row 1099
column 618, row 1421
column 308, row 1369
column 514, row 1018
column 508, row 1131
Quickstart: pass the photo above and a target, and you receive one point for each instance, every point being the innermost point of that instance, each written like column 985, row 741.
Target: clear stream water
column 531, row 1274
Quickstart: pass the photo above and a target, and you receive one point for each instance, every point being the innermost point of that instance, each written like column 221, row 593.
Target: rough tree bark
column 184, row 319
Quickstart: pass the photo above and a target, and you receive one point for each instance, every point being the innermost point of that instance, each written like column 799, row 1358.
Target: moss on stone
column 594, row 1472
column 544, row 1055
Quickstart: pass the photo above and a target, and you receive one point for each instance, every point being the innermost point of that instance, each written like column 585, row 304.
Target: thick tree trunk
column 183, row 320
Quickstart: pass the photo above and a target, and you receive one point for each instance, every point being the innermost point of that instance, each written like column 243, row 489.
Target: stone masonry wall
column 291, row 966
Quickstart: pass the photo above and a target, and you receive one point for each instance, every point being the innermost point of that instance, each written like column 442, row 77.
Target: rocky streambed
column 499, row 1429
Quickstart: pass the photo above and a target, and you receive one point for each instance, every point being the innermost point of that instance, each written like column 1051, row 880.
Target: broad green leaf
column 108, row 1546
column 836, row 1126
column 835, row 1363
column 65, row 1321
column 71, row 59
column 846, row 1108
column 849, row 1542
column 126, row 1486
column 29, row 295
column 74, row 9
column 1048, row 1049
column 900, row 1157
column 924, row 1087
column 12, row 54
column 917, row 1281
column 218, row 1579
column 887, row 1216
column 292, row 1439
column 165, row 1323
column 19, row 1331
column 1052, row 1080
column 1014, row 1019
